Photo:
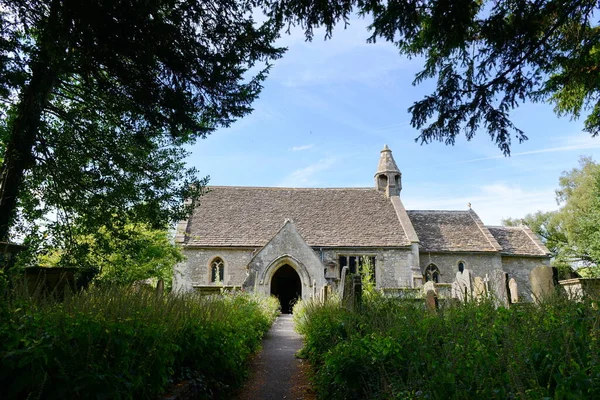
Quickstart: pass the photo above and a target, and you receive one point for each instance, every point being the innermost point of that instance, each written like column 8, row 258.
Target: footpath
column 276, row 372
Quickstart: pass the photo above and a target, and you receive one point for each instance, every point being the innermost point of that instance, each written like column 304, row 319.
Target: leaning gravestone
column 343, row 281
column 514, row 291
column 431, row 301
column 478, row 288
column 543, row 280
column 499, row 287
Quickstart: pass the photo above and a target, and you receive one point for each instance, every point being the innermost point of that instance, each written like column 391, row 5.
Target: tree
column 548, row 226
column 99, row 98
column 135, row 253
column 487, row 57
column 572, row 233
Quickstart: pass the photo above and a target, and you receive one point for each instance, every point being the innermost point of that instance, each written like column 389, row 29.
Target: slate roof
column 440, row 230
column 251, row 216
column 518, row 240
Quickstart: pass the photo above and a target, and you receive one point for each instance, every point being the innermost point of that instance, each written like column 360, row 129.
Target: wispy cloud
column 305, row 177
column 302, row 148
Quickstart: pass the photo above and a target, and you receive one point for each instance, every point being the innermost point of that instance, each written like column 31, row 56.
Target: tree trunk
column 18, row 156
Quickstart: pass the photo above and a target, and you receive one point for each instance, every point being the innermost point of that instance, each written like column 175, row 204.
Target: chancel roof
column 518, row 240
column 441, row 231
column 251, row 216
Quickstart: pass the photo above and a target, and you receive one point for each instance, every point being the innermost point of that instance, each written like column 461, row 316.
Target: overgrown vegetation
column 572, row 233
column 134, row 252
column 116, row 343
column 389, row 349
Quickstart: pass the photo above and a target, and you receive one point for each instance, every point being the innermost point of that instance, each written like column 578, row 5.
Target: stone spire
column 388, row 177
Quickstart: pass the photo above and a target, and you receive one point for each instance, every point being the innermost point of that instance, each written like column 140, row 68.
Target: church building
column 291, row 242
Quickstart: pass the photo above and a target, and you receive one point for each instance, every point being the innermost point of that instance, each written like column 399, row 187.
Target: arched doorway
column 286, row 286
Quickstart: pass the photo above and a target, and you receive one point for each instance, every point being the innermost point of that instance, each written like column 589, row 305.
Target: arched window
column 217, row 270
column 461, row 266
column 432, row 273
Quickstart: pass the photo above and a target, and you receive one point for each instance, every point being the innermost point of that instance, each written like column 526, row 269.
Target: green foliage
column 486, row 57
column 390, row 349
column 100, row 100
column 366, row 270
column 572, row 233
column 549, row 227
column 114, row 343
column 133, row 253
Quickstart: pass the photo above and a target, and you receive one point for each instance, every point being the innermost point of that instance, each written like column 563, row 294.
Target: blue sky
column 328, row 107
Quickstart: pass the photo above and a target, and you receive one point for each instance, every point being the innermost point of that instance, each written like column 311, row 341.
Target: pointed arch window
column 217, row 270
column 432, row 273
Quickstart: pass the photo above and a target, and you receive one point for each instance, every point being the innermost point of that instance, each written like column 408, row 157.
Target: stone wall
column 578, row 288
column 195, row 270
column 287, row 248
column 392, row 266
column 520, row 268
column 447, row 263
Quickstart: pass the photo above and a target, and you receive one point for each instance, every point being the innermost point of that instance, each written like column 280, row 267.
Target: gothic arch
column 267, row 274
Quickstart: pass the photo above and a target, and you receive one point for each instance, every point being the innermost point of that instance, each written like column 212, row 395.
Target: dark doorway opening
column 286, row 286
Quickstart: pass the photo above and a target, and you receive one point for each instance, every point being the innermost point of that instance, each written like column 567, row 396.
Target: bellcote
column 388, row 177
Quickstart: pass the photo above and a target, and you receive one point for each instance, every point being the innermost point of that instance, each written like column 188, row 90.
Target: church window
column 217, row 270
column 356, row 263
column 432, row 273
column 461, row 266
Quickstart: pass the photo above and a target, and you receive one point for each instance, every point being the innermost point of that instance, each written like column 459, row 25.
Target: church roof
column 251, row 216
column 440, row 230
column 518, row 240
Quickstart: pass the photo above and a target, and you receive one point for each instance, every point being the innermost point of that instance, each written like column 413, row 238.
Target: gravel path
column 276, row 372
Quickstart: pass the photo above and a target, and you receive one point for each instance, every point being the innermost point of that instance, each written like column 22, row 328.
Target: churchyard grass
column 115, row 343
column 390, row 349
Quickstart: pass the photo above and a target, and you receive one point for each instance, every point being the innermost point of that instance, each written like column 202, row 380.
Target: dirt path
column 276, row 373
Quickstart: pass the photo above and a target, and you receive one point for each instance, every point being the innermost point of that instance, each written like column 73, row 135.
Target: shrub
column 394, row 349
column 122, row 344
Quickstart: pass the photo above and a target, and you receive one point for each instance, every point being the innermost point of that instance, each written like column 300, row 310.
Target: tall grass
column 117, row 343
column 390, row 349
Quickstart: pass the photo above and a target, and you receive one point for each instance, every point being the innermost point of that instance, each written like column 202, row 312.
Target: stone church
column 291, row 242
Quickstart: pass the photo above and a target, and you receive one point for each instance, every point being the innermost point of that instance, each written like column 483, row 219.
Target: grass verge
column 389, row 349
column 116, row 343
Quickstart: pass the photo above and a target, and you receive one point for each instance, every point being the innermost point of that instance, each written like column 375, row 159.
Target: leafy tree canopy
column 572, row 233
column 486, row 56
column 135, row 253
column 99, row 98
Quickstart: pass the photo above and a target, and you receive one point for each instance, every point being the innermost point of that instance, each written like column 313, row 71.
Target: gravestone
column 514, row 291
column 462, row 287
column 343, row 275
column 479, row 291
column 431, row 301
column 464, row 282
column 160, row 287
column 543, row 280
column 499, row 287
column 455, row 290
column 429, row 285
